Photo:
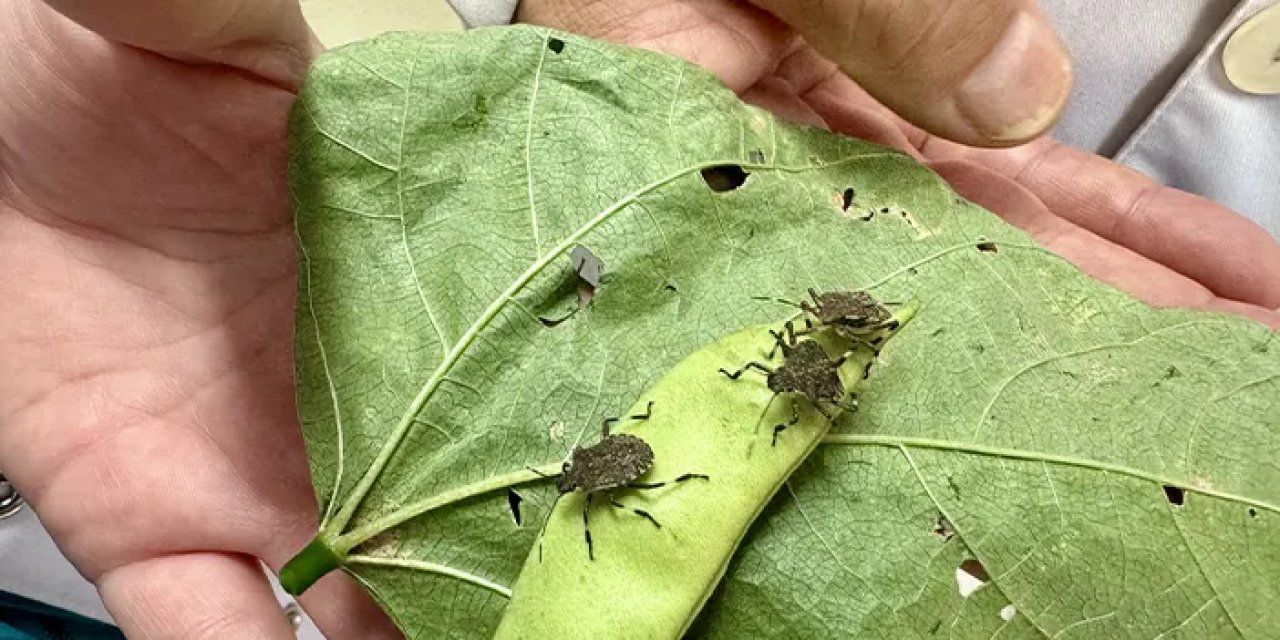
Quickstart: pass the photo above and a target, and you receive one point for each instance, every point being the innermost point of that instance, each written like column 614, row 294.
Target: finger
column 341, row 609
column 980, row 72
column 1142, row 278
column 844, row 106
column 1232, row 256
column 265, row 37
column 776, row 96
column 1265, row 316
column 194, row 596
column 736, row 42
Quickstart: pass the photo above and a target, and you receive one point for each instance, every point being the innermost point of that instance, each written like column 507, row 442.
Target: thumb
column 979, row 72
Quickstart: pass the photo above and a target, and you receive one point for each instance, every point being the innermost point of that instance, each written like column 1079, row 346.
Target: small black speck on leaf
column 725, row 177
column 1175, row 495
column 943, row 528
column 670, row 287
column 1253, row 513
column 556, row 45
column 756, row 156
column 553, row 322
column 846, row 198
column 513, row 500
column 1172, row 372
column 884, row 210
column 987, row 246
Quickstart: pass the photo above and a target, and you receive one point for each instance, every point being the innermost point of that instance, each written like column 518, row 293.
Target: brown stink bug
column 613, row 463
column 853, row 315
column 805, row 370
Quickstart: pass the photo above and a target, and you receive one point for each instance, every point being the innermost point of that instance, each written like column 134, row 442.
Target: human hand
column 148, row 261
column 1161, row 245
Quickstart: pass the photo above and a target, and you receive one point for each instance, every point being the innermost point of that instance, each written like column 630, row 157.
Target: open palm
column 146, row 399
column 148, row 257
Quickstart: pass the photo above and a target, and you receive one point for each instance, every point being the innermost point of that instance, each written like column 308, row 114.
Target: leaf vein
column 1195, row 557
column 328, row 377
column 955, row 526
column 528, row 147
column 432, row 567
column 1038, row 456
column 404, row 224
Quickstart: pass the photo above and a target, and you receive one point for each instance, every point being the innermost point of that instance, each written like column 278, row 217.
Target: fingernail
column 1020, row 88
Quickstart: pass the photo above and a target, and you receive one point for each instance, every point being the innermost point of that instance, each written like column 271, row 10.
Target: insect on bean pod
column 705, row 422
column 612, row 464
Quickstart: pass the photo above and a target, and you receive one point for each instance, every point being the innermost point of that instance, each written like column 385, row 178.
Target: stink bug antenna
column 789, row 303
column 546, row 519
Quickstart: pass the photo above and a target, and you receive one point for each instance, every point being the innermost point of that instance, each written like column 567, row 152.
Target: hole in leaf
column 1174, row 495
column 513, row 501
column 1253, row 513
column 987, row 246
column 556, row 45
column 970, row 575
column 846, row 198
column 1007, row 612
column 943, row 528
column 725, row 177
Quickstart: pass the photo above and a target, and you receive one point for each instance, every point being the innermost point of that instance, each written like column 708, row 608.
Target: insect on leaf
column 440, row 183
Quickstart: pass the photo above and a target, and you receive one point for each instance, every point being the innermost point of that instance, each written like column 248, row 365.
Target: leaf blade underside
column 422, row 166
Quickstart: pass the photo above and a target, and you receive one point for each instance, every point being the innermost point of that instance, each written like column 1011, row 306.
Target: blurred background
column 338, row 22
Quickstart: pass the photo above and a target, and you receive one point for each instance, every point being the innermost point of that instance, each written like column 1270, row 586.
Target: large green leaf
column 1028, row 417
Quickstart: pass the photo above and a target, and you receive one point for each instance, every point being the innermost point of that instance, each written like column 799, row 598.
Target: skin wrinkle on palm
column 1043, row 352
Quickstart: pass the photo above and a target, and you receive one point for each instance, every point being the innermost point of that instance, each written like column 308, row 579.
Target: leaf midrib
column 1038, row 456
column 531, row 474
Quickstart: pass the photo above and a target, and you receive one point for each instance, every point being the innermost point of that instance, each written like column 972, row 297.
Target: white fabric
column 484, row 13
column 1210, row 138
column 1127, row 55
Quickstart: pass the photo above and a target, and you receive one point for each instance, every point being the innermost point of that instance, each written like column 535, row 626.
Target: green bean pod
column 648, row 582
